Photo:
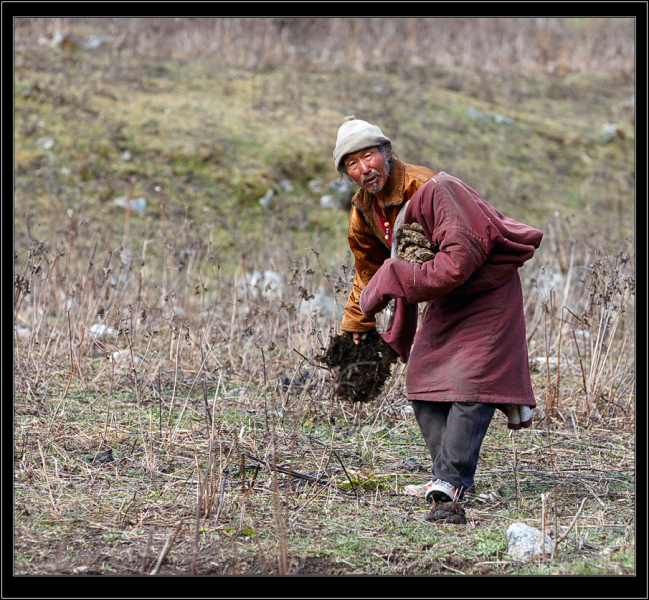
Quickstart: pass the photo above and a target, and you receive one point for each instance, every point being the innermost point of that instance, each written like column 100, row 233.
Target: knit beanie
column 354, row 135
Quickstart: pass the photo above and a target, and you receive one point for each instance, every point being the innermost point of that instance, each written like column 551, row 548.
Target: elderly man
column 470, row 353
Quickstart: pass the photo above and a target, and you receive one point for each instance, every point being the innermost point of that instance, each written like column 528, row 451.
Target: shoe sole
column 439, row 496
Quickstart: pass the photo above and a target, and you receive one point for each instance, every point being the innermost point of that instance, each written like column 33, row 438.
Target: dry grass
column 504, row 45
column 231, row 453
column 230, row 446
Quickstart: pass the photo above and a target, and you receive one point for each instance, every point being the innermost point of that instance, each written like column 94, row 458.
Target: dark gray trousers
column 453, row 432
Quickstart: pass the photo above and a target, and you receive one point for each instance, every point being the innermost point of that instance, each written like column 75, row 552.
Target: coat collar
column 393, row 190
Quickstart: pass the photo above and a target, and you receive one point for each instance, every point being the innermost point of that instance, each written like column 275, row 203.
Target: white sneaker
column 441, row 491
column 418, row 490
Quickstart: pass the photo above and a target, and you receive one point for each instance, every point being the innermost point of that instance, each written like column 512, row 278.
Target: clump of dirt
column 359, row 370
column 447, row 512
column 413, row 245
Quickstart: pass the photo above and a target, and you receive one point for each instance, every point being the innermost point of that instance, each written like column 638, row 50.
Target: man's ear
column 388, row 153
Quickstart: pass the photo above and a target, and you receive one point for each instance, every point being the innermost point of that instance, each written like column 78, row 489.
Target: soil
column 359, row 370
column 88, row 553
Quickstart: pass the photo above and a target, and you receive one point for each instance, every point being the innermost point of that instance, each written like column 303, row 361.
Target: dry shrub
column 529, row 45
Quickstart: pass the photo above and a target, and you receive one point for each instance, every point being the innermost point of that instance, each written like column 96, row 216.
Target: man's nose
column 365, row 167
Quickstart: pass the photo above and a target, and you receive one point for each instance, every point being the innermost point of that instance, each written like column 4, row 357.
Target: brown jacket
column 366, row 240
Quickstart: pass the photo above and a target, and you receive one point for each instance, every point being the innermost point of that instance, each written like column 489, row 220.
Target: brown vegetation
column 505, row 45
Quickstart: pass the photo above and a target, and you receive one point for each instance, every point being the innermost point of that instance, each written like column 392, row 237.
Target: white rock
column 94, row 41
column 548, row 279
column 99, row 330
column 629, row 102
column 22, row 331
column 46, row 143
column 553, row 361
column 285, row 185
column 329, row 201
column 126, row 156
column 609, row 131
column 320, row 305
column 315, row 185
column 80, row 569
column 342, row 186
column 123, row 358
column 64, row 171
column 138, row 204
column 476, row 114
column 502, row 119
column 267, row 198
column 524, row 541
column 261, row 284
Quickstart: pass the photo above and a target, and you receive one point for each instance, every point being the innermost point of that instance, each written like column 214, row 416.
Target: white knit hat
column 354, row 135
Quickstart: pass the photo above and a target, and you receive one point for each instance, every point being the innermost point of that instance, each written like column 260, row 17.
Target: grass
column 213, row 453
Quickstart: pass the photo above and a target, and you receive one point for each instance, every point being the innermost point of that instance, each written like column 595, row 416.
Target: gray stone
column 342, row 186
column 285, row 185
column 94, row 41
column 126, row 156
column 502, row 119
column 267, row 198
column 46, row 143
column 476, row 114
column 315, row 185
column 261, row 284
column 524, row 541
column 610, row 131
column 320, row 305
column 629, row 102
column 100, row 330
column 329, row 201
column 138, row 204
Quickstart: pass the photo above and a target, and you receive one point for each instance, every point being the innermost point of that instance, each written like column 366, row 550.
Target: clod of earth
column 358, row 370
column 413, row 245
column 447, row 512
column 100, row 457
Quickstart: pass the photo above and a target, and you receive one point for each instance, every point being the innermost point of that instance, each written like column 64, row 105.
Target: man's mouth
column 372, row 179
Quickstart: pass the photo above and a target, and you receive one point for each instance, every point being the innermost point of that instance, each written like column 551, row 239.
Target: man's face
column 368, row 168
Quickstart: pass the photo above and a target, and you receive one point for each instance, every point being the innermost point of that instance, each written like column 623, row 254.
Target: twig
column 49, row 487
column 351, row 481
column 146, row 553
column 574, row 520
column 165, row 550
column 221, row 499
column 316, row 365
column 71, row 361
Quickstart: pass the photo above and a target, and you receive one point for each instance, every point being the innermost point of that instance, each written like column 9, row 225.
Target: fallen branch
column 165, row 550
column 574, row 520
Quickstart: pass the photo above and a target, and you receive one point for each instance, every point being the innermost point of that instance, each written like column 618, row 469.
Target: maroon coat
column 471, row 345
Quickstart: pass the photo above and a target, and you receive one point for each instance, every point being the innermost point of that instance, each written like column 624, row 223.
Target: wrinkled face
column 368, row 168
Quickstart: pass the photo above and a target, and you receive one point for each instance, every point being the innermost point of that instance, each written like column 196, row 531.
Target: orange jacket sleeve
column 369, row 254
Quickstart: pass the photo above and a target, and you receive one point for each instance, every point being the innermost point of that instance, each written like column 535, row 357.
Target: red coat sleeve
column 465, row 235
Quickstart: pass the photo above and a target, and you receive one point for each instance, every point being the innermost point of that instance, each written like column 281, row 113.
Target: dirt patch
column 359, row 370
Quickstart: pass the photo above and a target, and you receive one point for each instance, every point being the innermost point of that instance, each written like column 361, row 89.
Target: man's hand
column 357, row 338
